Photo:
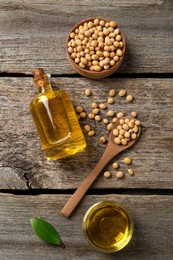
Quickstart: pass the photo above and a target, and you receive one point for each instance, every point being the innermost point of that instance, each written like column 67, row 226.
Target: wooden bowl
column 93, row 74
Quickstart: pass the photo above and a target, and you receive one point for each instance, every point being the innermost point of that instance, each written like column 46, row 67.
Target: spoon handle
column 80, row 192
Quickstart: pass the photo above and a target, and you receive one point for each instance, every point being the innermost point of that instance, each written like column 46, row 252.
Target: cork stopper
column 40, row 78
column 38, row 72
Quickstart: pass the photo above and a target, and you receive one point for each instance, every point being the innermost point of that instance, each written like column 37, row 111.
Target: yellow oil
column 56, row 123
column 108, row 227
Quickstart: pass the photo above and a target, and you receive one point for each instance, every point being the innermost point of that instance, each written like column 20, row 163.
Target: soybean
column 107, row 174
column 103, row 139
column 87, row 128
column 129, row 98
column 83, row 114
column 88, row 92
column 79, row 109
column 111, row 113
column 112, row 93
column 127, row 160
column 115, row 165
column 134, row 114
column 130, row 171
column 95, row 111
column 120, row 174
column 105, row 121
column 91, row 115
column 122, row 93
column 120, row 114
column 98, row 118
column 110, row 100
column 109, row 126
column 91, row 133
column 94, row 105
column 102, row 106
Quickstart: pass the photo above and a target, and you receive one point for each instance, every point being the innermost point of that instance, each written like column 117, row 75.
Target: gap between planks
column 137, row 192
column 118, row 75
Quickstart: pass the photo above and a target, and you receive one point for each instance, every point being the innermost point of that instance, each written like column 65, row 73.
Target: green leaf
column 46, row 231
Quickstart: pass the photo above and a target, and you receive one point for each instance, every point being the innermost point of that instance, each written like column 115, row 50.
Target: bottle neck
column 43, row 84
column 45, row 88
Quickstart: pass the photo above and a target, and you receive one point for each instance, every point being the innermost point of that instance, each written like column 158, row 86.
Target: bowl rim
column 118, row 63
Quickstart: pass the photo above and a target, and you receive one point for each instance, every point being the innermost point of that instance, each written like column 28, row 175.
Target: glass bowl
column 108, row 227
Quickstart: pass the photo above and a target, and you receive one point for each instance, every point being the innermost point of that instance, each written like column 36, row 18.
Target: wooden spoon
column 112, row 150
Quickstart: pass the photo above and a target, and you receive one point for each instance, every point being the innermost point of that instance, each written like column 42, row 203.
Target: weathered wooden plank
column 153, row 219
column 33, row 34
column 23, row 163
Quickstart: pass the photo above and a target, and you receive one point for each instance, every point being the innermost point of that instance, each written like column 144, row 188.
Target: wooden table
column 33, row 34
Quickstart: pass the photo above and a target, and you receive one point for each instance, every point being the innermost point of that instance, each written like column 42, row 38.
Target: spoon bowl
column 117, row 148
column 111, row 151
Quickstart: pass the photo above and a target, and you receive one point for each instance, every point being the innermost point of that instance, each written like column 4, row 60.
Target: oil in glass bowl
column 108, row 227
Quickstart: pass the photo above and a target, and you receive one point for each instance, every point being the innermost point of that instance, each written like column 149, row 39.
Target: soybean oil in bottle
column 55, row 120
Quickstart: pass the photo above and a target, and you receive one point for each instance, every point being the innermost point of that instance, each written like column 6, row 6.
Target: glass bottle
column 55, row 120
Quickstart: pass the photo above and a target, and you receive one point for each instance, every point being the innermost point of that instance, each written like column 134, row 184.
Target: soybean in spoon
column 115, row 145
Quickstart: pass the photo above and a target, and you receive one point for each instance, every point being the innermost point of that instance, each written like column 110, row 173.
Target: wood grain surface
column 23, row 164
column 152, row 238
column 33, row 33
